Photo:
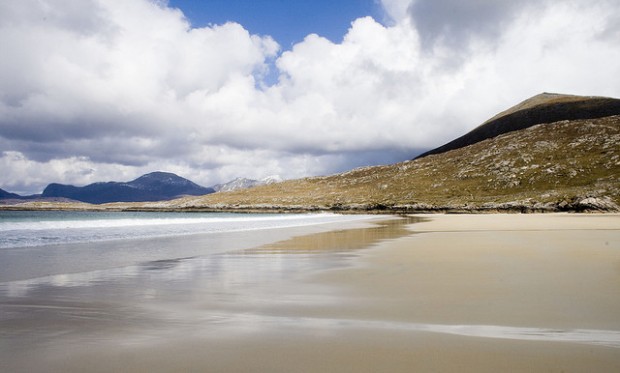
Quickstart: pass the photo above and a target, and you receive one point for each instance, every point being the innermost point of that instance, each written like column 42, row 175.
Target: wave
column 74, row 228
column 154, row 221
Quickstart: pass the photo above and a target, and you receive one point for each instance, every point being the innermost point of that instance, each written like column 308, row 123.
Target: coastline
column 596, row 207
column 118, row 246
column 479, row 293
column 575, row 204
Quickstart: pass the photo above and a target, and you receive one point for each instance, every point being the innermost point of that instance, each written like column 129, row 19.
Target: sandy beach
column 441, row 293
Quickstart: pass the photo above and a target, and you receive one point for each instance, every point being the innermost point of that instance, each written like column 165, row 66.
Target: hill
column 542, row 108
column 7, row 195
column 566, row 164
column 8, row 199
column 155, row 186
column 570, row 164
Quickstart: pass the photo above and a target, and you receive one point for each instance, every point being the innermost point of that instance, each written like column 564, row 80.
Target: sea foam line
column 34, row 234
column 607, row 338
column 127, row 222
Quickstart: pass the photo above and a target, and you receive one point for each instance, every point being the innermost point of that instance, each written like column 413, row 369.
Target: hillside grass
column 547, row 163
column 541, row 168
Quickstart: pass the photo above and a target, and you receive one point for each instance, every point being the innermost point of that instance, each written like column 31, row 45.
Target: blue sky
column 102, row 90
column 287, row 21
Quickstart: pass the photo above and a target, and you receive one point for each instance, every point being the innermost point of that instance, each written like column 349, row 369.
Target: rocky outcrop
column 591, row 204
column 579, row 204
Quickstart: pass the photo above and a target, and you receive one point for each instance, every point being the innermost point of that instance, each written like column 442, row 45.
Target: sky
column 108, row 90
column 288, row 22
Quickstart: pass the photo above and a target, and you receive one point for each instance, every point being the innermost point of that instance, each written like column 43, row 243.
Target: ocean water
column 44, row 243
column 38, row 228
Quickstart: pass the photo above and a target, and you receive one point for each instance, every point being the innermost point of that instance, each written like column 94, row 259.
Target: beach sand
column 436, row 293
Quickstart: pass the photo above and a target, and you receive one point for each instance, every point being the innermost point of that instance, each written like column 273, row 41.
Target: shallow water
column 42, row 228
column 38, row 244
column 251, row 307
column 227, row 274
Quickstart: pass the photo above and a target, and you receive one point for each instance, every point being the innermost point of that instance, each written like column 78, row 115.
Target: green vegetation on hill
column 566, row 165
column 542, row 108
column 547, row 167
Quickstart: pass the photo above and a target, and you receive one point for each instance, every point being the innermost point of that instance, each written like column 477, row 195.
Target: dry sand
column 455, row 293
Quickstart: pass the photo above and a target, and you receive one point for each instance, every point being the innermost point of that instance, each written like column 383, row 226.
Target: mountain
column 6, row 195
column 272, row 179
column 7, row 198
column 542, row 108
column 243, row 183
column 155, row 186
column 568, row 162
column 559, row 165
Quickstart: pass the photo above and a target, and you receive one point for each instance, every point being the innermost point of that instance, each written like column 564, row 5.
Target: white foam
column 607, row 338
column 142, row 222
column 26, row 233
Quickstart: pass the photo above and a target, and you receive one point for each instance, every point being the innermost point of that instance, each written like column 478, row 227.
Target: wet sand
column 452, row 293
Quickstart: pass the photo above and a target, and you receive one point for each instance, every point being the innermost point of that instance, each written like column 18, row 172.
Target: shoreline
column 387, row 211
column 467, row 293
column 528, row 206
column 25, row 263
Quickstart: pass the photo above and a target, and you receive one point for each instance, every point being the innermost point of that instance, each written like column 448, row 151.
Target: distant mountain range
column 7, row 198
column 6, row 195
column 243, row 183
column 155, row 186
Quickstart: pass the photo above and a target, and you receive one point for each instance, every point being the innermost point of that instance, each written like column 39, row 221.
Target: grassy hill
column 542, row 108
column 564, row 165
column 571, row 163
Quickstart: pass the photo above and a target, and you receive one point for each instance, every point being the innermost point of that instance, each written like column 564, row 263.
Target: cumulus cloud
column 454, row 21
column 108, row 90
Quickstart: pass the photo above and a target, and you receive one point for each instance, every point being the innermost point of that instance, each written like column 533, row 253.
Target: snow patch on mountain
column 244, row 183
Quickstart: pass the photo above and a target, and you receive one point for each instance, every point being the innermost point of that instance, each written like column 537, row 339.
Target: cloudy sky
column 98, row 90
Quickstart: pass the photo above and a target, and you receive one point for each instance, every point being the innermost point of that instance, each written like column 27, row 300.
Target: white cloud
column 25, row 176
column 397, row 11
column 108, row 90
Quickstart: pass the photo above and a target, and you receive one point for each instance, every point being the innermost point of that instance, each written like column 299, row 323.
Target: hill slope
column 564, row 165
column 542, row 108
column 155, row 186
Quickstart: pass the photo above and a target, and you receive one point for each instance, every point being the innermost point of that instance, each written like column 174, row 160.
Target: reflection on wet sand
column 340, row 241
column 157, row 299
column 437, row 300
column 222, row 265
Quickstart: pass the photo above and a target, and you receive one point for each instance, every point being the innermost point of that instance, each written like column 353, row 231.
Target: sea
column 38, row 228
column 43, row 243
column 75, row 279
